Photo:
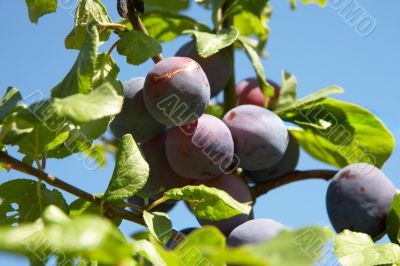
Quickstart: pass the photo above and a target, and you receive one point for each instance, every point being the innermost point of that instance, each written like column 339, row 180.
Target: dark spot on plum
column 347, row 175
column 231, row 116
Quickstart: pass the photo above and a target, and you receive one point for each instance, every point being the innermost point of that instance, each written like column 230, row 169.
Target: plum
column 134, row 118
column 358, row 199
column 249, row 92
column 237, row 188
column 176, row 91
column 286, row 165
column 260, row 136
column 254, row 232
column 161, row 176
column 218, row 67
column 200, row 150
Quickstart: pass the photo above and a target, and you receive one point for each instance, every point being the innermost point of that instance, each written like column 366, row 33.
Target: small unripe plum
column 249, row 92
column 200, row 150
column 286, row 165
column 218, row 67
column 237, row 188
column 260, row 136
column 134, row 118
column 176, row 91
column 254, row 232
column 358, row 199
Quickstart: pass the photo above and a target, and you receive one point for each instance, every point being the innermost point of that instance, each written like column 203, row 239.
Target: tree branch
column 111, row 210
column 294, row 176
column 138, row 25
column 229, row 92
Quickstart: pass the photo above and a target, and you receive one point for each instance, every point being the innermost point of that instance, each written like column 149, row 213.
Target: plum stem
column 118, row 28
column 138, row 25
column 156, row 203
column 229, row 91
column 111, row 209
column 265, row 187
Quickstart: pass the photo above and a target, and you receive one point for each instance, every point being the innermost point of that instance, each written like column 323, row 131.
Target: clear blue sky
column 317, row 45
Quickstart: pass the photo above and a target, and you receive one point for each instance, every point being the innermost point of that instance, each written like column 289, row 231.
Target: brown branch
column 230, row 99
column 111, row 210
column 263, row 188
column 138, row 25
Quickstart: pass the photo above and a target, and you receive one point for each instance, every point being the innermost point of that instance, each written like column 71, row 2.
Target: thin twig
column 263, row 188
column 119, row 28
column 111, row 210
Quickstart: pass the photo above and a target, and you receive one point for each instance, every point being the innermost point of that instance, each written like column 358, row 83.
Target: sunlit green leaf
column 358, row 249
column 208, row 203
column 79, row 78
column 138, row 47
column 31, row 199
column 343, row 134
column 79, row 108
column 38, row 8
column 159, row 224
column 208, row 43
column 88, row 12
column 130, row 173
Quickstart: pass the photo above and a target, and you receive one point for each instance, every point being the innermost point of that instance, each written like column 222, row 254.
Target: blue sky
column 317, row 45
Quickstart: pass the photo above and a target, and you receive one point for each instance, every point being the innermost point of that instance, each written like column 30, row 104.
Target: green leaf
column 343, row 133
column 79, row 78
column 39, row 8
column 98, row 153
column 76, row 142
column 322, row 3
column 106, row 70
column 130, row 173
column 31, row 201
column 311, row 99
column 165, row 26
column 89, row 236
column 79, row 108
column 26, row 239
column 256, row 7
column 208, row 43
column 358, row 249
column 42, row 139
column 250, row 25
column 88, row 12
column 80, row 207
column 215, row 110
column 53, row 214
column 288, row 91
column 290, row 248
column 208, row 203
column 9, row 102
column 251, row 53
column 170, row 5
column 169, row 258
column 393, row 220
column 14, row 128
column 147, row 250
column 159, row 224
column 138, row 47
column 206, row 244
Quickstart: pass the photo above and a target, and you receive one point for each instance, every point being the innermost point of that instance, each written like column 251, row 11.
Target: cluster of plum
column 165, row 113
